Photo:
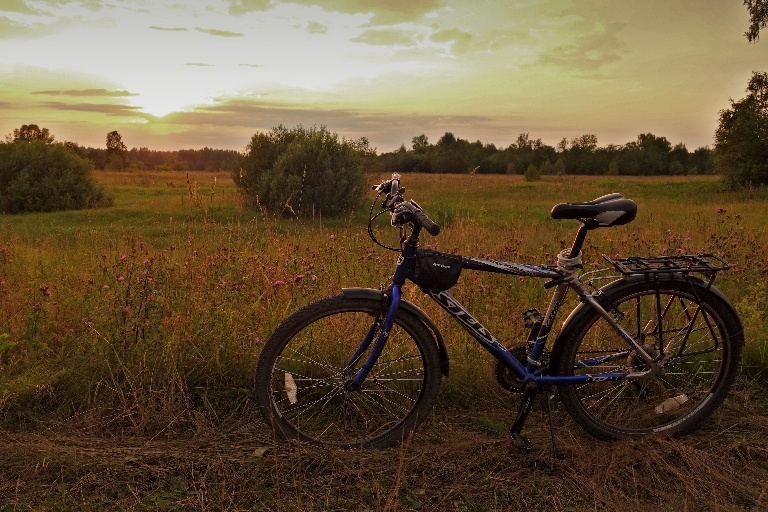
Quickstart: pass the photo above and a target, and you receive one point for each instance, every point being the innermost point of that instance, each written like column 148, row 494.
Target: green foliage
column 116, row 151
column 303, row 171
column 649, row 155
column 30, row 132
column 533, row 173
column 37, row 176
column 741, row 140
column 758, row 18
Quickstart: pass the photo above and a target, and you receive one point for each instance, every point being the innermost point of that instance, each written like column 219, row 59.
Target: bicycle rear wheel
column 300, row 380
column 693, row 329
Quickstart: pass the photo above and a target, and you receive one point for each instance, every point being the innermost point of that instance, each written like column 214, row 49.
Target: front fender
column 410, row 308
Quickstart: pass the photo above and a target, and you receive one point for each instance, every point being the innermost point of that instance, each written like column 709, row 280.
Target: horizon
column 212, row 74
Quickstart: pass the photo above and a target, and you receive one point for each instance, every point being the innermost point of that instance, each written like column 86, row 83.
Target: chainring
column 508, row 380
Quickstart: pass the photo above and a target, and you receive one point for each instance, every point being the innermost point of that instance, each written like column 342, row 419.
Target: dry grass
column 136, row 397
column 453, row 463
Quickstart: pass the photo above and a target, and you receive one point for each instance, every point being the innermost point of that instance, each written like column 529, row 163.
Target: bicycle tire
column 300, row 386
column 702, row 337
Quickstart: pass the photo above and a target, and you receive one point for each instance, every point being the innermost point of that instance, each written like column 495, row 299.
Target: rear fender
column 606, row 293
column 408, row 307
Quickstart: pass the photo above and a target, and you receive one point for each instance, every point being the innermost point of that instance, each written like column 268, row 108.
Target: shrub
column 303, row 171
column 533, row 173
column 37, row 176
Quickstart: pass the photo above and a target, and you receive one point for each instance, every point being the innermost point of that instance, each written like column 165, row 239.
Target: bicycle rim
column 691, row 333
column 307, row 384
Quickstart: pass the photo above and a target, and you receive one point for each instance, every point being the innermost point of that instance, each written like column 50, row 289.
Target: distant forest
column 649, row 155
column 141, row 159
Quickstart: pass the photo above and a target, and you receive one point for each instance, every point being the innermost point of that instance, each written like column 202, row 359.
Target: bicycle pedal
column 522, row 443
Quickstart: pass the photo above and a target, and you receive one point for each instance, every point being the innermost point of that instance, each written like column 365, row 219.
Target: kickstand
column 521, row 442
column 551, row 396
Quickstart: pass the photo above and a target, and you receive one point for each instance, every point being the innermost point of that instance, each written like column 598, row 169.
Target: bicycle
column 654, row 351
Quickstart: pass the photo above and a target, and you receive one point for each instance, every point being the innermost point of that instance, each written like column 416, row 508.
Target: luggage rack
column 704, row 263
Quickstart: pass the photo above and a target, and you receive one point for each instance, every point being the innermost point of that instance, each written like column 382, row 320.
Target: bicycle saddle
column 609, row 210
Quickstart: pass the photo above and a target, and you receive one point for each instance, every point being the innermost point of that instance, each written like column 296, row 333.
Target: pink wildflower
column 278, row 283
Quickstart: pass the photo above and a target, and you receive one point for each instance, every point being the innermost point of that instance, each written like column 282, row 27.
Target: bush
column 303, row 171
column 533, row 173
column 37, row 176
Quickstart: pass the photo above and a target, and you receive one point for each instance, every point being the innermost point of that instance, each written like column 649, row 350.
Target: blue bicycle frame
column 533, row 370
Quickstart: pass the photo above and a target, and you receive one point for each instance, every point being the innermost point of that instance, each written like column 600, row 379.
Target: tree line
column 649, row 155
column 117, row 157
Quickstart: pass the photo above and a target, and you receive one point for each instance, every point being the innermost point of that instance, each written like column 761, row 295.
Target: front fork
column 354, row 381
column 405, row 267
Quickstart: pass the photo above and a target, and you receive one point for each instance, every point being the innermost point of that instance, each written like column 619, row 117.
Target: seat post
column 581, row 235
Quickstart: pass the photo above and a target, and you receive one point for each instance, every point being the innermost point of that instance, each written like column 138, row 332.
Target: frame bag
column 436, row 271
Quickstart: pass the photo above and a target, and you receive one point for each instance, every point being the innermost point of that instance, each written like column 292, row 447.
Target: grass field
column 128, row 339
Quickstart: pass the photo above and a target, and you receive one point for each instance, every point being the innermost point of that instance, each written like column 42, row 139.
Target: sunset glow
column 173, row 75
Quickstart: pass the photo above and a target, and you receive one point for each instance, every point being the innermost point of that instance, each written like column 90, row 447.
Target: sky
column 169, row 75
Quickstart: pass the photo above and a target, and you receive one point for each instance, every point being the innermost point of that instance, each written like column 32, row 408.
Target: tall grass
column 148, row 317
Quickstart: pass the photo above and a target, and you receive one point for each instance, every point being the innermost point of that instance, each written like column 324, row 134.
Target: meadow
column 129, row 337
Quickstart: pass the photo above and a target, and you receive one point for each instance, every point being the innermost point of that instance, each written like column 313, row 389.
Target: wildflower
column 123, row 258
column 120, row 279
column 148, row 263
column 332, row 237
column 258, row 340
column 105, row 287
column 45, row 291
column 278, row 283
column 721, row 210
column 37, row 306
column 298, row 278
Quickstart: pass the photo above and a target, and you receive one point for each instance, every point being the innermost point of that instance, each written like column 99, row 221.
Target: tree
column 758, row 18
column 741, row 139
column 29, row 133
column 116, row 151
column 41, row 176
column 420, row 144
column 303, row 171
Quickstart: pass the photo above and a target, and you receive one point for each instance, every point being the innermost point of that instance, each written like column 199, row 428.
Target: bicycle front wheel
column 300, row 378
column 690, row 328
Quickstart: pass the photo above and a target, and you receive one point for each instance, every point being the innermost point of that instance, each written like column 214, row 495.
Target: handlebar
column 404, row 212
column 411, row 212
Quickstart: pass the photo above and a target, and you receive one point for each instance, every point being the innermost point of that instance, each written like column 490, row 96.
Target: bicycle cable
column 372, row 218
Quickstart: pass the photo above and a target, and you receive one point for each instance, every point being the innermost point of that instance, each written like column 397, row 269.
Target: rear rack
column 704, row 263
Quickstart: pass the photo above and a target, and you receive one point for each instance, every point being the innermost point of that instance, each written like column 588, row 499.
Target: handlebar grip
column 426, row 223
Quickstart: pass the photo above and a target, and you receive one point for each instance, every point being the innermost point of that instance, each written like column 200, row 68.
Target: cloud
column 460, row 41
column 317, row 28
column 86, row 92
column 251, row 65
column 98, row 108
column 382, row 13
column 168, row 29
column 219, row 33
column 589, row 52
column 41, row 24
column 240, row 7
column 386, row 37
column 199, row 64
column 17, row 6
column 242, row 117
